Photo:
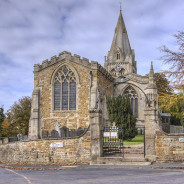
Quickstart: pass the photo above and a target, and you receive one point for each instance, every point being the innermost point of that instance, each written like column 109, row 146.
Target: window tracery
column 130, row 91
column 65, row 89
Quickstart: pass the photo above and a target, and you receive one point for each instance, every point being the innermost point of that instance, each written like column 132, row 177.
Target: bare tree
column 176, row 61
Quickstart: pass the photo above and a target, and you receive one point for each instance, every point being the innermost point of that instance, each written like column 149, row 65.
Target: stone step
column 125, row 151
column 133, row 151
column 130, row 148
column 120, row 161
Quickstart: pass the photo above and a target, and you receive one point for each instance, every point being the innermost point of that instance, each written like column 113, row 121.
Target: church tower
column 121, row 58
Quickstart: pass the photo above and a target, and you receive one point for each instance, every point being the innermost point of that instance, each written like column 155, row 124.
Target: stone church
column 69, row 114
column 67, row 87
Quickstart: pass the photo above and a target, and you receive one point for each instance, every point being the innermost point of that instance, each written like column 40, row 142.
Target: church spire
column 121, row 58
column 120, row 39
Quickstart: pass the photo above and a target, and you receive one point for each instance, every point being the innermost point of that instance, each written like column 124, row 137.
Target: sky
column 34, row 30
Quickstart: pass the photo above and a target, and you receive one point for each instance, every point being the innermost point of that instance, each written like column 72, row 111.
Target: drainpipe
column 91, row 80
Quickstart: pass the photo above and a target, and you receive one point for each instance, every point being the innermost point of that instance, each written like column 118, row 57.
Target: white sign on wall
column 56, row 145
column 181, row 139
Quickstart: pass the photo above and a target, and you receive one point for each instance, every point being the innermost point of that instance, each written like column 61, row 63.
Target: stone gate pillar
column 96, row 134
column 34, row 124
column 151, row 129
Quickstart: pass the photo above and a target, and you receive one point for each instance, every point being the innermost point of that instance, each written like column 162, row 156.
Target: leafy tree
column 5, row 128
column 169, row 101
column 120, row 112
column 173, row 104
column 2, row 116
column 176, row 60
column 163, row 84
column 19, row 115
column 9, row 129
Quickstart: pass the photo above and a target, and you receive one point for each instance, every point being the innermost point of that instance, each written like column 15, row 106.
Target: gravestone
column 67, row 132
column 80, row 131
column 54, row 134
column 72, row 133
column 63, row 134
column 57, row 128
column 19, row 137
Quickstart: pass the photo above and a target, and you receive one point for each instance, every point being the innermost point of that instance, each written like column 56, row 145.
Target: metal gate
column 113, row 141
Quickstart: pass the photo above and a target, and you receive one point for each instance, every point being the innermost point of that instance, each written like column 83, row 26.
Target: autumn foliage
column 171, row 96
column 176, row 61
column 17, row 118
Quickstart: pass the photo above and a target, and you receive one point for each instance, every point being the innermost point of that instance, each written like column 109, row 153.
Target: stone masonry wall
column 168, row 148
column 74, row 151
column 71, row 119
column 103, row 82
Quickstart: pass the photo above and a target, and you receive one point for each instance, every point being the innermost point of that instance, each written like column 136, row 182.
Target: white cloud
column 32, row 31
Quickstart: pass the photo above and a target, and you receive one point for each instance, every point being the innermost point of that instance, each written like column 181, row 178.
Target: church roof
column 136, row 78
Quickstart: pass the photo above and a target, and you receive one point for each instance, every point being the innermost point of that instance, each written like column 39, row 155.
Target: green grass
column 138, row 139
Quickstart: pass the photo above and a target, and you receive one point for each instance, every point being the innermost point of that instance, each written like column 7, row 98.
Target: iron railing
column 113, row 141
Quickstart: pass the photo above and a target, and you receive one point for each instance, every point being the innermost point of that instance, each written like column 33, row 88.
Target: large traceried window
column 65, row 89
column 130, row 91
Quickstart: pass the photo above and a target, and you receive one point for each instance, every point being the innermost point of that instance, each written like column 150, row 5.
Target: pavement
column 169, row 166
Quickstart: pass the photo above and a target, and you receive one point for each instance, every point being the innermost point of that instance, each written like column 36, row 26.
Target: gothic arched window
column 65, row 89
column 130, row 91
column 118, row 55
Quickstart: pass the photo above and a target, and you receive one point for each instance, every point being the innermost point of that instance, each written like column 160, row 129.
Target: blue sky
column 34, row 30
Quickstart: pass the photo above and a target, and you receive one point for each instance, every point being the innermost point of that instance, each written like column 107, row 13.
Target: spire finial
column 120, row 3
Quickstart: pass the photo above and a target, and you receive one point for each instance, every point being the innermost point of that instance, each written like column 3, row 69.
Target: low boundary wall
column 170, row 148
column 47, row 152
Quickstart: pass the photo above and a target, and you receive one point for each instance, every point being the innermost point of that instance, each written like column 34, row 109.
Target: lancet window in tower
column 65, row 89
column 130, row 91
column 118, row 55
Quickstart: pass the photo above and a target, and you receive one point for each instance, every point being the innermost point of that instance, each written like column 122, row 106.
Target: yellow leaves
column 5, row 127
column 172, row 103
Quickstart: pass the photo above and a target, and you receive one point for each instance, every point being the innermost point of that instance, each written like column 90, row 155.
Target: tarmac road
column 93, row 175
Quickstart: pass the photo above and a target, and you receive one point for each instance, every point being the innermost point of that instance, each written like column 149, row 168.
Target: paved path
column 93, row 175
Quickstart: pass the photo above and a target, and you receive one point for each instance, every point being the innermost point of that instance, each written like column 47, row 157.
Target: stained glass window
column 57, row 95
column 65, row 89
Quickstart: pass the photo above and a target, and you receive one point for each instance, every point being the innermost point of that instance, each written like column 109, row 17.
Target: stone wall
column 74, row 151
column 168, row 148
column 176, row 129
column 70, row 119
